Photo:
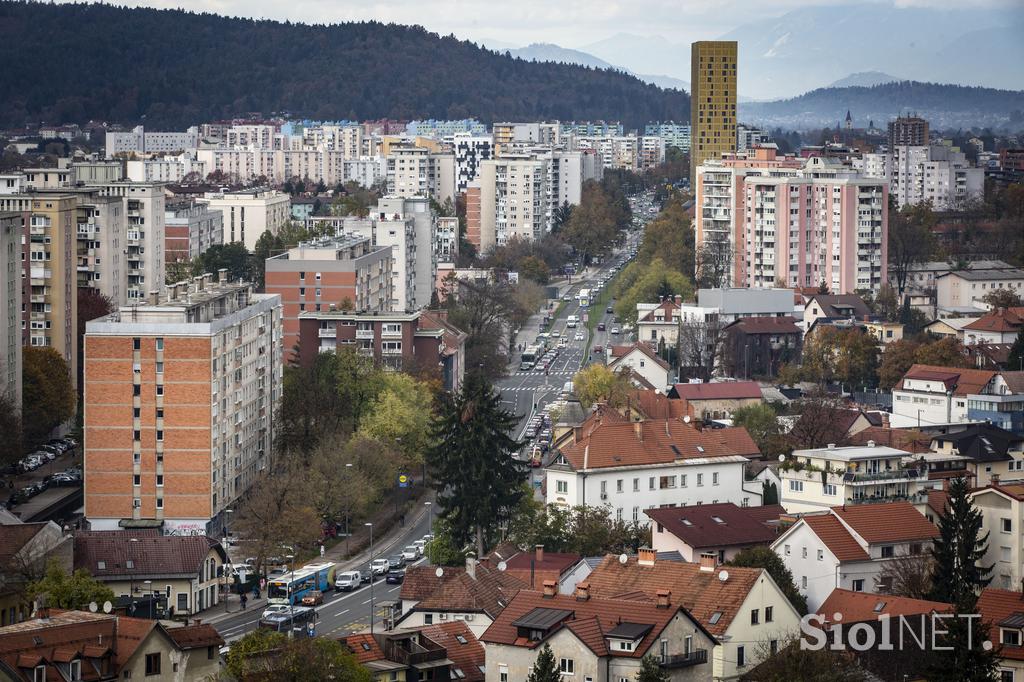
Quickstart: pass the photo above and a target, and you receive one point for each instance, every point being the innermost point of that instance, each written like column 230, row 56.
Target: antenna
column 723, row 575
column 686, row 419
column 502, row 566
column 623, row 559
column 782, row 458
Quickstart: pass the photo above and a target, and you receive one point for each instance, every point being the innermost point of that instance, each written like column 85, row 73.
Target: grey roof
column 986, row 274
column 1014, row 620
column 749, row 301
column 542, row 619
column 632, row 631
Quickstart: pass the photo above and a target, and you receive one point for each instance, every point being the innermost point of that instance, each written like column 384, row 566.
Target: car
column 609, row 310
column 396, row 561
column 556, row 334
column 46, row 454
column 395, row 576
column 579, row 336
column 567, row 297
column 348, row 581
column 597, row 349
column 600, row 326
column 275, row 608
column 428, row 537
column 314, row 598
column 365, row 574
column 380, row 566
column 615, row 330
column 411, row 553
column 420, row 544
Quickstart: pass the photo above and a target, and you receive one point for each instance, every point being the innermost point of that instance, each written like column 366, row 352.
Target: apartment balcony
column 38, row 299
column 365, row 334
column 390, row 334
column 391, row 351
column 695, row 657
column 917, row 497
column 885, row 476
column 365, row 352
column 329, row 333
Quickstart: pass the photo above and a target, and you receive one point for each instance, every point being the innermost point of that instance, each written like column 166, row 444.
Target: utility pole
column 370, row 525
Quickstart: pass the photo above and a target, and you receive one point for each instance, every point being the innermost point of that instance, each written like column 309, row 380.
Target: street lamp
column 288, row 590
column 370, row 526
column 224, row 572
column 430, row 516
column 348, row 510
column 149, row 586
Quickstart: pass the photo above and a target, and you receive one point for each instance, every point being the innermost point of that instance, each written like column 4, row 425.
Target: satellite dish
column 782, row 458
column 623, row 559
column 439, row 572
column 686, row 419
column 723, row 575
column 93, row 607
column 502, row 566
column 107, row 607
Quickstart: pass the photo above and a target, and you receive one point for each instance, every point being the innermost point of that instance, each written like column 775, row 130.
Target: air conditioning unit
column 604, row 496
column 442, row 616
column 469, row 616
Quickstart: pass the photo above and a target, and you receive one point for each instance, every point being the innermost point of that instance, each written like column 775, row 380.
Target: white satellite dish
column 107, row 607
column 723, row 575
column 439, row 572
column 686, row 419
column 623, row 558
column 93, row 607
column 502, row 566
column 782, row 458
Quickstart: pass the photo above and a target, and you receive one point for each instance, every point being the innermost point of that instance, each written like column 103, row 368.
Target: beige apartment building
column 418, row 172
column 512, row 200
column 10, row 306
column 712, row 101
column 143, row 206
column 249, row 213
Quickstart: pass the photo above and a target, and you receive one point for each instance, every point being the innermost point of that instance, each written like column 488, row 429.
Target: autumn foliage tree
column 48, row 397
column 901, row 355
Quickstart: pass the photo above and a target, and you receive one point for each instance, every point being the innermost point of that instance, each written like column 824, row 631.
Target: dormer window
column 1009, row 637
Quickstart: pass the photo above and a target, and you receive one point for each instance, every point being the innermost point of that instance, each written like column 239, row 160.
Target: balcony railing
column 364, row 334
column 695, row 657
column 892, row 475
column 329, row 333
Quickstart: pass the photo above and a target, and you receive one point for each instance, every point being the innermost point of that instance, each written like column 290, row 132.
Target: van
column 571, row 322
column 348, row 581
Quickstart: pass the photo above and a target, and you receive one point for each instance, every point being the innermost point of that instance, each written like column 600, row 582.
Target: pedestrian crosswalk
column 560, row 373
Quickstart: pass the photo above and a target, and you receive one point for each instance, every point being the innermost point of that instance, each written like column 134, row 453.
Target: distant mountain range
column 864, row 79
column 548, row 52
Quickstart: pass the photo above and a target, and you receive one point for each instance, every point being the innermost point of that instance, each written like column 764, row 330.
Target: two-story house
column 847, row 547
column 998, row 326
column 723, row 529
column 659, row 325
column 743, row 608
column 632, row 466
column 444, row 651
column 1001, row 504
column 596, row 639
column 1003, row 613
column 759, row 346
column 820, row 478
column 980, row 452
column 643, row 361
column 930, row 395
column 716, row 400
column 1001, row 404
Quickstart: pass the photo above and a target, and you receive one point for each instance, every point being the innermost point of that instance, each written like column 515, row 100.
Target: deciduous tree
column 1002, row 298
column 762, row 424
column 63, row 591
column 911, row 240
column 596, row 383
column 766, row 558
column 48, row 398
column 267, row 656
column 401, row 413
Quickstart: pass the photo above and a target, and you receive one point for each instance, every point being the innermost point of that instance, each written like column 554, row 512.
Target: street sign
column 586, row 316
column 404, row 480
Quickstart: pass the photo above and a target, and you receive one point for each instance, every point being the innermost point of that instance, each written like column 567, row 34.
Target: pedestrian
column 255, row 591
column 322, row 551
column 244, row 600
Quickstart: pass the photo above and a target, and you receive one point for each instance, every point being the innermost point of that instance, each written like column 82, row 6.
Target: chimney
column 550, row 589
column 222, row 276
column 831, row 446
column 198, row 281
column 664, row 598
column 638, row 428
column 539, row 553
column 154, row 297
column 871, row 443
column 646, row 556
column 207, row 280
column 172, row 292
column 582, row 591
column 679, row 299
column 708, row 560
column 471, row 567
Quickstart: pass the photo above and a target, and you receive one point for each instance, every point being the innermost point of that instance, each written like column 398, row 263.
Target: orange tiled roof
column 995, row 606
column 962, row 381
column 836, row 537
column 466, row 653
column 623, row 351
column 1001, row 320
column 888, row 522
column 364, row 647
column 858, row 607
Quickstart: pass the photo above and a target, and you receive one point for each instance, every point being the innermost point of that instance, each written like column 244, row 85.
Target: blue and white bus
column 290, row 588
column 297, row 622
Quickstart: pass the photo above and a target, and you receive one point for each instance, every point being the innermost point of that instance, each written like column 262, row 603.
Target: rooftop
column 960, row 381
column 836, row 537
column 887, row 522
column 119, row 554
column 859, row 607
column 985, row 274
column 766, row 325
column 850, row 453
column 724, row 390
column 713, row 525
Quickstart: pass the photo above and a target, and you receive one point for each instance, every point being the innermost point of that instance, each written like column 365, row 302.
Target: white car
column 411, row 553
column 380, row 566
column 579, row 336
column 556, row 334
column 275, row 608
column 419, row 545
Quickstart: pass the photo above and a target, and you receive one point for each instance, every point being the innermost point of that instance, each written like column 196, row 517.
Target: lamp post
column 288, row 589
column 370, row 526
column 348, row 510
column 227, row 579
column 149, row 609
column 430, row 516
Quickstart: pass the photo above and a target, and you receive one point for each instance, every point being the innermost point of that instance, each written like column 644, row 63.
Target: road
column 342, row 613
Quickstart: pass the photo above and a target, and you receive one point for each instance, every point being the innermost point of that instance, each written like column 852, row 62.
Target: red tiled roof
column 466, row 654
column 1001, row 320
column 766, row 513
column 13, row 537
column 656, row 441
column 131, row 632
column 590, row 619
column 364, row 647
column 901, row 439
column 888, row 522
column 725, row 390
column 859, row 607
column 995, row 606
column 670, row 308
column 195, row 636
column 962, row 381
column 654, row 405
column 937, row 501
column 457, row 591
column 697, row 525
column 766, row 325
column 836, row 537
column 700, row 592
column 623, row 351
column 151, row 554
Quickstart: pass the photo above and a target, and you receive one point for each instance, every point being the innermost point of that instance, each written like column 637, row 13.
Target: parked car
column 615, row 330
column 348, row 581
column 396, row 576
column 314, row 598
column 609, row 310
column 380, row 566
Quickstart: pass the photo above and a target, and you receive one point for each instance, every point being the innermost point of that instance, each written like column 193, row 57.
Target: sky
column 569, row 23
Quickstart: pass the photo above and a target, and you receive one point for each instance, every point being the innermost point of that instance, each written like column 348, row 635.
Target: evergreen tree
column 957, row 577
column 478, row 481
column 544, row 668
column 953, row 660
column 1016, row 359
column 650, row 671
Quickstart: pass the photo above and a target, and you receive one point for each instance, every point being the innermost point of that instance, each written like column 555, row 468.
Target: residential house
column 743, row 608
column 1002, row 511
column 25, row 549
column 1001, row 404
column 660, row 325
column 722, row 529
column 534, row 568
column 884, row 332
column 949, row 327
column 998, row 326
column 716, row 400
column 819, row 478
column 642, row 360
column 847, row 547
column 445, row 651
column 983, row 452
column 1003, row 612
column 965, row 289
column 187, row 569
column 475, row 594
column 865, row 607
column 759, row 346
column 928, row 394
column 79, row 645
column 597, row 638
column 834, row 307
column 632, row 466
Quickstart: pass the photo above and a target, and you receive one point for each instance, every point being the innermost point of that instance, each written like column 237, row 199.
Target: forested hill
column 945, row 106
column 75, row 62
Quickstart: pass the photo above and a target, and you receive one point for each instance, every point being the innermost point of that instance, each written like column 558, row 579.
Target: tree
column 536, row 269
column 793, row 662
column 847, row 355
column 400, row 413
column 177, row 270
column 911, row 240
column 908, row 576
column 670, row 237
column 886, row 303
column 761, row 423
column 1002, row 298
column 267, row 656
column 596, row 383
column 545, row 668
column 946, row 352
column 713, row 263
column 592, row 227
column 1015, row 361
column 699, row 344
column 560, row 216
column 10, row 429
column 442, row 550
column 312, row 406
column 818, row 424
column 478, row 481
column 957, row 574
column 897, row 359
column 233, row 257
column 484, row 312
column 91, row 305
column 646, row 283
column 764, row 557
column 651, row 670
column 63, row 591
column 48, row 397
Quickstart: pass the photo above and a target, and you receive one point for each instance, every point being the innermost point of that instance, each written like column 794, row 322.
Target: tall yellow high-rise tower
column 712, row 101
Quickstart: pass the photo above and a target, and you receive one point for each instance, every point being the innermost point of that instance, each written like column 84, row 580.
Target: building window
column 741, row 656
column 159, row 503
column 755, row 616
column 858, row 585
column 159, row 368
column 714, row 478
column 829, row 488
column 636, row 485
column 136, row 479
column 159, row 344
column 796, row 486
column 1006, row 525
column 887, row 551
column 566, row 666
column 1011, row 637
column 428, row 619
column 562, row 487
column 136, row 343
column 152, row 664
column 700, row 479
column 769, row 614
column 803, row 582
column 75, row 671
column 787, row 549
column 651, row 481
column 39, row 674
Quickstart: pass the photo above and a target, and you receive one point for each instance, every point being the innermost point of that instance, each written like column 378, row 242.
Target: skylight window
column 715, row 617
column 717, row 519
column 879, row 606
column 460, row 639
column 687, row 522
column 700, row 448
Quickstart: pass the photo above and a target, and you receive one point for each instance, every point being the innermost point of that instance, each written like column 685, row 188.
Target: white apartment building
column 617, row 151
column 929, row 395
column 138, row 142
column 1001, row 504
column 633, row 466
column 470, row 151
column 820, row 478
column 674, row 134
column 960, row 289
column 801, row 221
column 650, row 152
column 513, row 200
column 96, row 172
column 249, row 213
column 848, row 547
column 258, row 136
column 940, row 174
column 102, row 231
column 171, row 169
column 143, row 205
column 347, row 139
column 446, row 239
column 748, row 138
column 10, row 306
column 415, row 171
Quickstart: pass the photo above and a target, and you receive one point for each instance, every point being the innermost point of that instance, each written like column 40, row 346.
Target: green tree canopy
column 761, row 423
column 764, row 557
column 958, row 574
column 63, row 591
column 401, row 413
column 48, row 398
column 596, row 383
column 651, row 670
column 266, row 656
column 545, row 668
column 645, row 284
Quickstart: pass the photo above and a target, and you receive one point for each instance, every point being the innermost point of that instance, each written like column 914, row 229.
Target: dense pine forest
column 76, row 62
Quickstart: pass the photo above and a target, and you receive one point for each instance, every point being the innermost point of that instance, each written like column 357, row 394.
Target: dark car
column 397, row 560
column 395, row 576
column 600, row 326
column 608, row 310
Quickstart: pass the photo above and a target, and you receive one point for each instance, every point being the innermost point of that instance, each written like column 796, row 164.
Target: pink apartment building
column 802, row 221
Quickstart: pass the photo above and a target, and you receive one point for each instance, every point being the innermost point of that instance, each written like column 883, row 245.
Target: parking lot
column 56, row 464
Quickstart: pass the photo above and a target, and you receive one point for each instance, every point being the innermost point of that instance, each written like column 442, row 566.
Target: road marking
column 341, row 613
column 367, row 601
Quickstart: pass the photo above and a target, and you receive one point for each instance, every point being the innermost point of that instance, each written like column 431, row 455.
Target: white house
column 820, row 478
column 848, row 546
column 633, row 466
column 644, row 362
column 998, row 326
column 967, row 288
column 661, row 323
column 928, row 395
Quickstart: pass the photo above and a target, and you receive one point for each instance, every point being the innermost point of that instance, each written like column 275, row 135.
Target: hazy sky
column 570, row 23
